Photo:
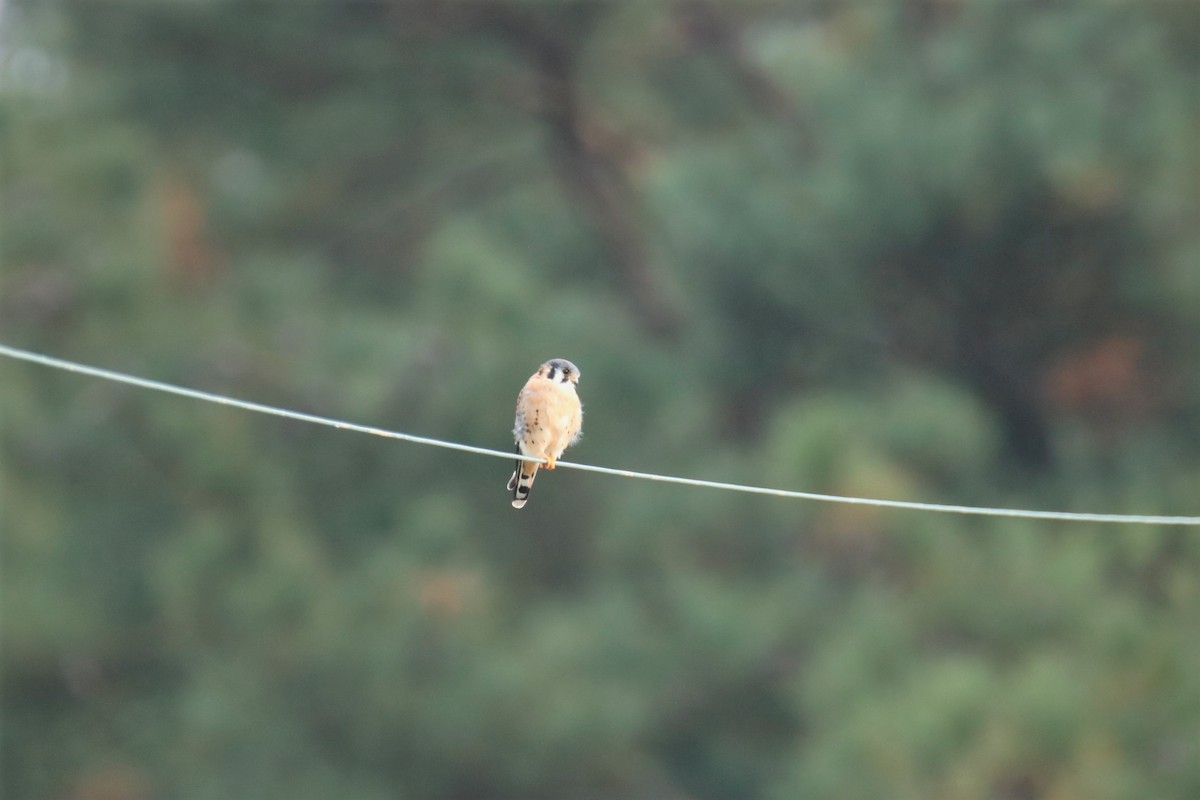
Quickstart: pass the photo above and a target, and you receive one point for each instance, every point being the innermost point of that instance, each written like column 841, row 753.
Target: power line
column 144, row 383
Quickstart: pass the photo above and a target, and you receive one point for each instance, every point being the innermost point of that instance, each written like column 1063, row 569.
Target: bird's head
column 560, row 370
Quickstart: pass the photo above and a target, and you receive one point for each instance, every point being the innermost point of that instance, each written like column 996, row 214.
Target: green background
column 941, row 250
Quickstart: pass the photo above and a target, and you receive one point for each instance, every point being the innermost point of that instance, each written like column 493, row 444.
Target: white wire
column 144, row 383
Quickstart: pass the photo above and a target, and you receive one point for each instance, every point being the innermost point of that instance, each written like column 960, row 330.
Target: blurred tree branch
column 589, row 174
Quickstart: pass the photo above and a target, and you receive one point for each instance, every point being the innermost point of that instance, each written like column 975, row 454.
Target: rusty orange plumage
column 549, row 420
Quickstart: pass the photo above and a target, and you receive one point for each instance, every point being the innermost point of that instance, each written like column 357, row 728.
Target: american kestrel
column 549, row 419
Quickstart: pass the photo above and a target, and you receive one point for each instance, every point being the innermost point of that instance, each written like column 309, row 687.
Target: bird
column 549, row 420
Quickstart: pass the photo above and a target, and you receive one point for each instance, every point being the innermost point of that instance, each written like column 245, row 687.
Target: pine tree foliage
column 920, row 250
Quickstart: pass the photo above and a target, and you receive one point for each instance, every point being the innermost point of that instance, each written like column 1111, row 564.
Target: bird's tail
column 522, row 481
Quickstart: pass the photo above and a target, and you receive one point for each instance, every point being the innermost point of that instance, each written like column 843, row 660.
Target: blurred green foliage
column 919, row 250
